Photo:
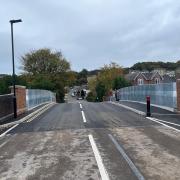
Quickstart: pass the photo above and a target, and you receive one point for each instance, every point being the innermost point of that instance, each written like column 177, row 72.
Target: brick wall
column 20, row 98
column 178, row 94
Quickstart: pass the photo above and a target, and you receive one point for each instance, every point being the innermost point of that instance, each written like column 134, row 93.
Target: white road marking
column 38, row 114
column 168, row 122
column 1, row 145
column 26, row 117
column 129, row 108
column 128, row 160
column 84, row 118
column 3, row 134
column 80, row 106
column 156, row 120
column 142, row 113
column 102, row 170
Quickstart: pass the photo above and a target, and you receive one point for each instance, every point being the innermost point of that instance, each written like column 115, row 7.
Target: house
column 140, row 78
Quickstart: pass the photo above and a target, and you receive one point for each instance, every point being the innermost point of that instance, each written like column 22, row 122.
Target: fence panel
column 6, row 106
column 35, row 97
column 161, row 94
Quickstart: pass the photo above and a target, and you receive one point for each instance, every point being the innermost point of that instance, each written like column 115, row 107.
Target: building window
column 140, row 81
column 157, row 80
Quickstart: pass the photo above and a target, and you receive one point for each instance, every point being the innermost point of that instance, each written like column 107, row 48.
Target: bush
column 101, row 91
column 91, row 97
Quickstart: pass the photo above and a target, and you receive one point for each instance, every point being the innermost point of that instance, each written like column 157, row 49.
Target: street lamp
column 14, row 88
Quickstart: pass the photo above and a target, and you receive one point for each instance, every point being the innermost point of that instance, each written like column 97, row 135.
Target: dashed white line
column 157, row 121
column 80, row 106
column 102, row 170
column 84, row 118
column 3, row 134
column 128, row 160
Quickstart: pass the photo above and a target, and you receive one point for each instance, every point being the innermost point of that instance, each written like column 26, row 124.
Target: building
column 140, row 78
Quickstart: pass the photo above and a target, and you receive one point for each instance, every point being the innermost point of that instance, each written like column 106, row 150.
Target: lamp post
column 13, row 77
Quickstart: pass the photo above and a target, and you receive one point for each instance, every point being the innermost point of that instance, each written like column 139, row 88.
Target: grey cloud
column 93, row 32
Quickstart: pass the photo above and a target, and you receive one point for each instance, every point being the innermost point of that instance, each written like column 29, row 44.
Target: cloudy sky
column 91, row 33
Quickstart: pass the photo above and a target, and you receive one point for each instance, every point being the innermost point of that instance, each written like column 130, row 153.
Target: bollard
column 148, row 101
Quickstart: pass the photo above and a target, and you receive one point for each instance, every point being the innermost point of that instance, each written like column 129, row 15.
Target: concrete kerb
column 46, row 107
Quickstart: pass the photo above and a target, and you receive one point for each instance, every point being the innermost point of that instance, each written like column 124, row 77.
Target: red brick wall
column 178, row 94
column 20, row 98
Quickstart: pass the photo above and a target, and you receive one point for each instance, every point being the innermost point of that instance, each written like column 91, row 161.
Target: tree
column 6, row 82
column 120, row 82
column 108, row 73
column 44, row 61
column 82, row 77
column 42, row 82
column 49, row 70
column 91, row 97
column 101, row 91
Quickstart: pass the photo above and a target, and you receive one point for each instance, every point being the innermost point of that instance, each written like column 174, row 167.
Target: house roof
column 168, row 79
column 147, row 75
column 131, row 76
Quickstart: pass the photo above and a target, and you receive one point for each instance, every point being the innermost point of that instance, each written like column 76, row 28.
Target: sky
column 91, row 33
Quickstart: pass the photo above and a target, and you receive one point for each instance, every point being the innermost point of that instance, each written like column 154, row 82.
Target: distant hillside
column 149, row 66
column 93, row 72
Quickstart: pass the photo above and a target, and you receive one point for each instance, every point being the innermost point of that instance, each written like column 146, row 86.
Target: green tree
column 82, row 77
column 108, row 73
column 45, row 69
column 120, row 82
column 6, row 82
column 42, row 82
column 91, row 97
column 101, row 91
column 44, row 61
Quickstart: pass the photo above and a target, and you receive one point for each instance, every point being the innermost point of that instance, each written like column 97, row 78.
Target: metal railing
column 161, row 94
column 36, row 97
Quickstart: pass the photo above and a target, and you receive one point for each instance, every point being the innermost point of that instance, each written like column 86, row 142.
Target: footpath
column 156, row 112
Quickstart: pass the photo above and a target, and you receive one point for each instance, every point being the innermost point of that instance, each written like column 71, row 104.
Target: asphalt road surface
column 90, row 141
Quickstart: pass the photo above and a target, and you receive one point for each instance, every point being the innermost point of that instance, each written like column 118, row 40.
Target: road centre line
column 83, row 115
column 128, row 160
column 80, row 105
column 102, row 170
column 157, row 121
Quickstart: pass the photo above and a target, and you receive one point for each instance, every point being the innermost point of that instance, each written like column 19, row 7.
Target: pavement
column 156, row 112
column 79, row 140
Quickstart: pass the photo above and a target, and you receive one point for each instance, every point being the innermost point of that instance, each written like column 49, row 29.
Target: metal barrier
column 161, row 94
column 36, row 97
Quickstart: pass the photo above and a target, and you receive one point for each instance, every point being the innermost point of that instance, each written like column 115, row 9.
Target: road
column 90, row 141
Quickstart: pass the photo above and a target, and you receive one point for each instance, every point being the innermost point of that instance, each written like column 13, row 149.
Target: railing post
column 148, row 101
